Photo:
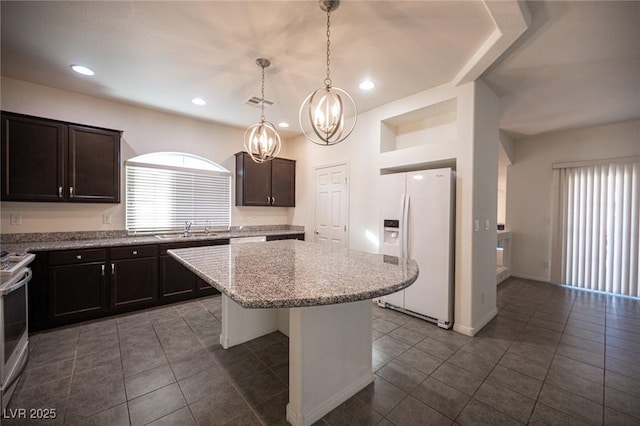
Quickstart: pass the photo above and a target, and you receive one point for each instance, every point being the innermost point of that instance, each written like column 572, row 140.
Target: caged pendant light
column 261, row 140
column 325, row 108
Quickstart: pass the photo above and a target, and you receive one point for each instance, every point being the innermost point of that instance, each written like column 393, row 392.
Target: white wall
column 529, row 186
column 362, row 152
column 485, row 200
column 145, row 131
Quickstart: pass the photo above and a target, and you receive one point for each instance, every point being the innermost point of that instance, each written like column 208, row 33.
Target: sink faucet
column 187, row 227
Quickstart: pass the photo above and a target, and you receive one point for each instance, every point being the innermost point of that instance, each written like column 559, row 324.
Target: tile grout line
column 126, row 397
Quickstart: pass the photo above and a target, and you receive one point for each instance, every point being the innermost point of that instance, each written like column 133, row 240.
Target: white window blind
column 162, row 197
column 599, row 209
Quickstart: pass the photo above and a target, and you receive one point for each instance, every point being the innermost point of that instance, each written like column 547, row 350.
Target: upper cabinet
column 272, row 183
column 49, row 160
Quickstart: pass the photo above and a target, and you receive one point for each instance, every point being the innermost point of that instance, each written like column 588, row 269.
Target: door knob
column 316, row 232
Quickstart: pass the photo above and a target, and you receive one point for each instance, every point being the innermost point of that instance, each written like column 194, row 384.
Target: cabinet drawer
column 70, row 257
column 133, row 252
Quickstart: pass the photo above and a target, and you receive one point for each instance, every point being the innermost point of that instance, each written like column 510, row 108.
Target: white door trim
column 346, row 164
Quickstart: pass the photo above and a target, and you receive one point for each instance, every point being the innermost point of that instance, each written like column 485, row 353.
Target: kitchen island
column 328, row 293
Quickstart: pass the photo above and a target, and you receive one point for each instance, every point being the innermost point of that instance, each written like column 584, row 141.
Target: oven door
column 14, row 330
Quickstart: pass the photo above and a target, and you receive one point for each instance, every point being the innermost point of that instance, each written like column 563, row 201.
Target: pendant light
column 261, row 140
column 326, row 108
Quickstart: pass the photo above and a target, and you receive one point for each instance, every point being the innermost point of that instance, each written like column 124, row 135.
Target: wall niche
column 431, row 125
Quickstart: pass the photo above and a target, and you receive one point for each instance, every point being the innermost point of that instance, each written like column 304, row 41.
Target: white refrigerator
column 417, row 222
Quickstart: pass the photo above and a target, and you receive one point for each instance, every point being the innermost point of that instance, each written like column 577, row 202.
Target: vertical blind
column 162, row 198
column 599, row 226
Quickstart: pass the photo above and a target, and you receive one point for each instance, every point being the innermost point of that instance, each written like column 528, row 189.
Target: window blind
column 599, row 216
column 162, row 198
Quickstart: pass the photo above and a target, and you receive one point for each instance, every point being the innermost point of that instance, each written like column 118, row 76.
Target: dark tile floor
column 551, row 356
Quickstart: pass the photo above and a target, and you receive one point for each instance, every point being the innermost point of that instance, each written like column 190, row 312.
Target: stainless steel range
column 14, row 327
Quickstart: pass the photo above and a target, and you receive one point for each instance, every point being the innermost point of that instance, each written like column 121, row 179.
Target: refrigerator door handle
column 405, row 226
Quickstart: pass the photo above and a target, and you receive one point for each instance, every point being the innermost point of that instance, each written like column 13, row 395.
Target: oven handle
column 22, row 282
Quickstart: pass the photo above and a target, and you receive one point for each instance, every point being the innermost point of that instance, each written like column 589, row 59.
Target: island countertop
column 290, row 273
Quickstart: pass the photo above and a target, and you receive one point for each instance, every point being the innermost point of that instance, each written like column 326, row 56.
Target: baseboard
column 320, row 411
column 472, row 331
column 227, row 343
column 531, row 277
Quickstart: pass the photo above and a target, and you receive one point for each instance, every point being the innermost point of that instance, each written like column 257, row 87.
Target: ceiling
column 577, row 64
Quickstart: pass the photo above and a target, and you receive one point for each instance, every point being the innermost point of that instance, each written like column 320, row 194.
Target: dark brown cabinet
column 70, row 286
column 77, row 285
column 94, row 165
column 49, row 160
column 134, row 277
column 33, row 158
column 176, row 281
column 272, row 183
column 299, row 236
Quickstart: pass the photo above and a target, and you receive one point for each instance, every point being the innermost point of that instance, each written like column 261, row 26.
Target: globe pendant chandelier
column 325, row 109
column 261, row 140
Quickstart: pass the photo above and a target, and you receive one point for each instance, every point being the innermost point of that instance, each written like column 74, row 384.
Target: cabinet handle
column 273, row 200
column 113, row 269
column 79, row 257
column 59, row 192
column 135, row 252
column 268, row 200
column 103, row 270
column 71, row 191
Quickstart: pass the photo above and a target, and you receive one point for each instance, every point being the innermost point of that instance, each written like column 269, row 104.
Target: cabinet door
column 283, row 182
column 33, row 159
column 77, row 292
column 134, row 283
column 205, row 289
column 253, row 181
column 176, row 281
column 94, row 165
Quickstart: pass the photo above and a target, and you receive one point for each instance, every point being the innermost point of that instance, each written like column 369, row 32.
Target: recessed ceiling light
column 199, row 101
column 283, row 124
column 82, row 70
column 367, row 85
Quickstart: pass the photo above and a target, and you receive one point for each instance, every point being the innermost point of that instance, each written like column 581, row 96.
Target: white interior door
column 331, row 205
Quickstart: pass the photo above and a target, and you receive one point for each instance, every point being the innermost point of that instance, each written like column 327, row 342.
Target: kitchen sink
column 182, row 236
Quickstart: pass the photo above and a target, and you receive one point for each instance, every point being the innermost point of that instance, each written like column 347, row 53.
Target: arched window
column 166, row 189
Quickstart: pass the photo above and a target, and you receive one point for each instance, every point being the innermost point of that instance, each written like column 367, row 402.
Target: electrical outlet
column 16, row 219
column 106, row 219
column 487, row 225
column 476, row 225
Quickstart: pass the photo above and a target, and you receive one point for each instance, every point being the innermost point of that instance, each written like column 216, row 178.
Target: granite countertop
column 291, row 273
column 53, row 243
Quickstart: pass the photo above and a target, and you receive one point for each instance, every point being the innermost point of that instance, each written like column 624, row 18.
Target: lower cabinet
column 176, row 281
column 70, row 286
column 77, row 285
column 134, row 277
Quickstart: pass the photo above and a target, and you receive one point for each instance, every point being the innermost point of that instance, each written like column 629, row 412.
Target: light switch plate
column 487, row 225
column 476, row 225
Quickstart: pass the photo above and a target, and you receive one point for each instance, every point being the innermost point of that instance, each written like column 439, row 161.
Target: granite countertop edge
column 35, row 246
column 301, row 302
column 310, row 301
